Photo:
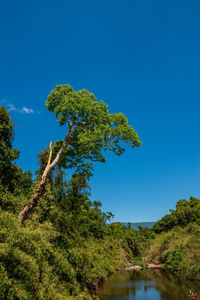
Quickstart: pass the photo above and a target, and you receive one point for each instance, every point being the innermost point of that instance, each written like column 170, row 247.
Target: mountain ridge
column 143, row 224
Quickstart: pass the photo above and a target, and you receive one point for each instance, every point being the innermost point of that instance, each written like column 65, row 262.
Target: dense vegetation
column 186, row 212
column 177, row 240
column 65, row 246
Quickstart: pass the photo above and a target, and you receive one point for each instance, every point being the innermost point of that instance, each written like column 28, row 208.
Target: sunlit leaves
column 94, row 129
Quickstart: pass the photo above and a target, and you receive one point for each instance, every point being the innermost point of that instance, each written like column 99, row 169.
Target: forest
column 57, row 243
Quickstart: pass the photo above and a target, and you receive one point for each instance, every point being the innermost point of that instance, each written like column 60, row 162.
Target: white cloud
column 12, row 107
column 27, row 110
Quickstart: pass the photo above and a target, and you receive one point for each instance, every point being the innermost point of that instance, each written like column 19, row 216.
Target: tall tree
column 12, row 177
column 90, row 130
column 7, row 153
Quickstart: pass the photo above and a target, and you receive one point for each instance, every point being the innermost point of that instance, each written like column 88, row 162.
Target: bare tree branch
column 40, row 188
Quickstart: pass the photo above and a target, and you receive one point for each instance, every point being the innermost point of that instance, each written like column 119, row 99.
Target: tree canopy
column 90, row 130
column 11, row 176
column 186, row 212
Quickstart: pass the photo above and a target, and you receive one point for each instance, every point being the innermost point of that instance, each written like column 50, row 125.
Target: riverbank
column 179, row 251
column 146, row 266
column 93, row 288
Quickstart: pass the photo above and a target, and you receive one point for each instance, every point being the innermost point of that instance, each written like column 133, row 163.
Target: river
column 147, row 284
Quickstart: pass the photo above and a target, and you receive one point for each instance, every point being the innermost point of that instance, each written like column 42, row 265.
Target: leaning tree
column 90, row 130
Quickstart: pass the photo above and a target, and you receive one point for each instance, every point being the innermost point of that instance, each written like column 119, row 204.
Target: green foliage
column 12, row 177
column 134, row 242
column 37, row 268
column 46, row 261
column 175, row 261
column 93, row 128
column 177, row 242
column 186, row 212
column 5, row 283
column 7, row 153
column 66, row 246
column 179, row 250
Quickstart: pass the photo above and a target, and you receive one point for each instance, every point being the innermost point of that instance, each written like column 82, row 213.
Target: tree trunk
column 40, row 188
column 34, row 200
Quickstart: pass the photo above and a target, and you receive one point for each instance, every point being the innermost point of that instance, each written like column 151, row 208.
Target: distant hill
column 143, row 224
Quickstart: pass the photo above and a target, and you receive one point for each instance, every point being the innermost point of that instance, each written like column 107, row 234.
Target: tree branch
column 40, row 188
column 50, row 154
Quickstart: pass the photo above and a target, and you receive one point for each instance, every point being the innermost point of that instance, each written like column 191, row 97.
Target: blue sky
column 142, row 57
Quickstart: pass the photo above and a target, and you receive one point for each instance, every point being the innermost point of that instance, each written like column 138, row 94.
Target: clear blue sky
column 142, row 57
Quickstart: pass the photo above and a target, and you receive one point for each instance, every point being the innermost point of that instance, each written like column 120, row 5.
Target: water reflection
column 145, row 284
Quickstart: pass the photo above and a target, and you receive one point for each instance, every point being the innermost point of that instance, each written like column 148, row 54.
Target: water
column 147, row 284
